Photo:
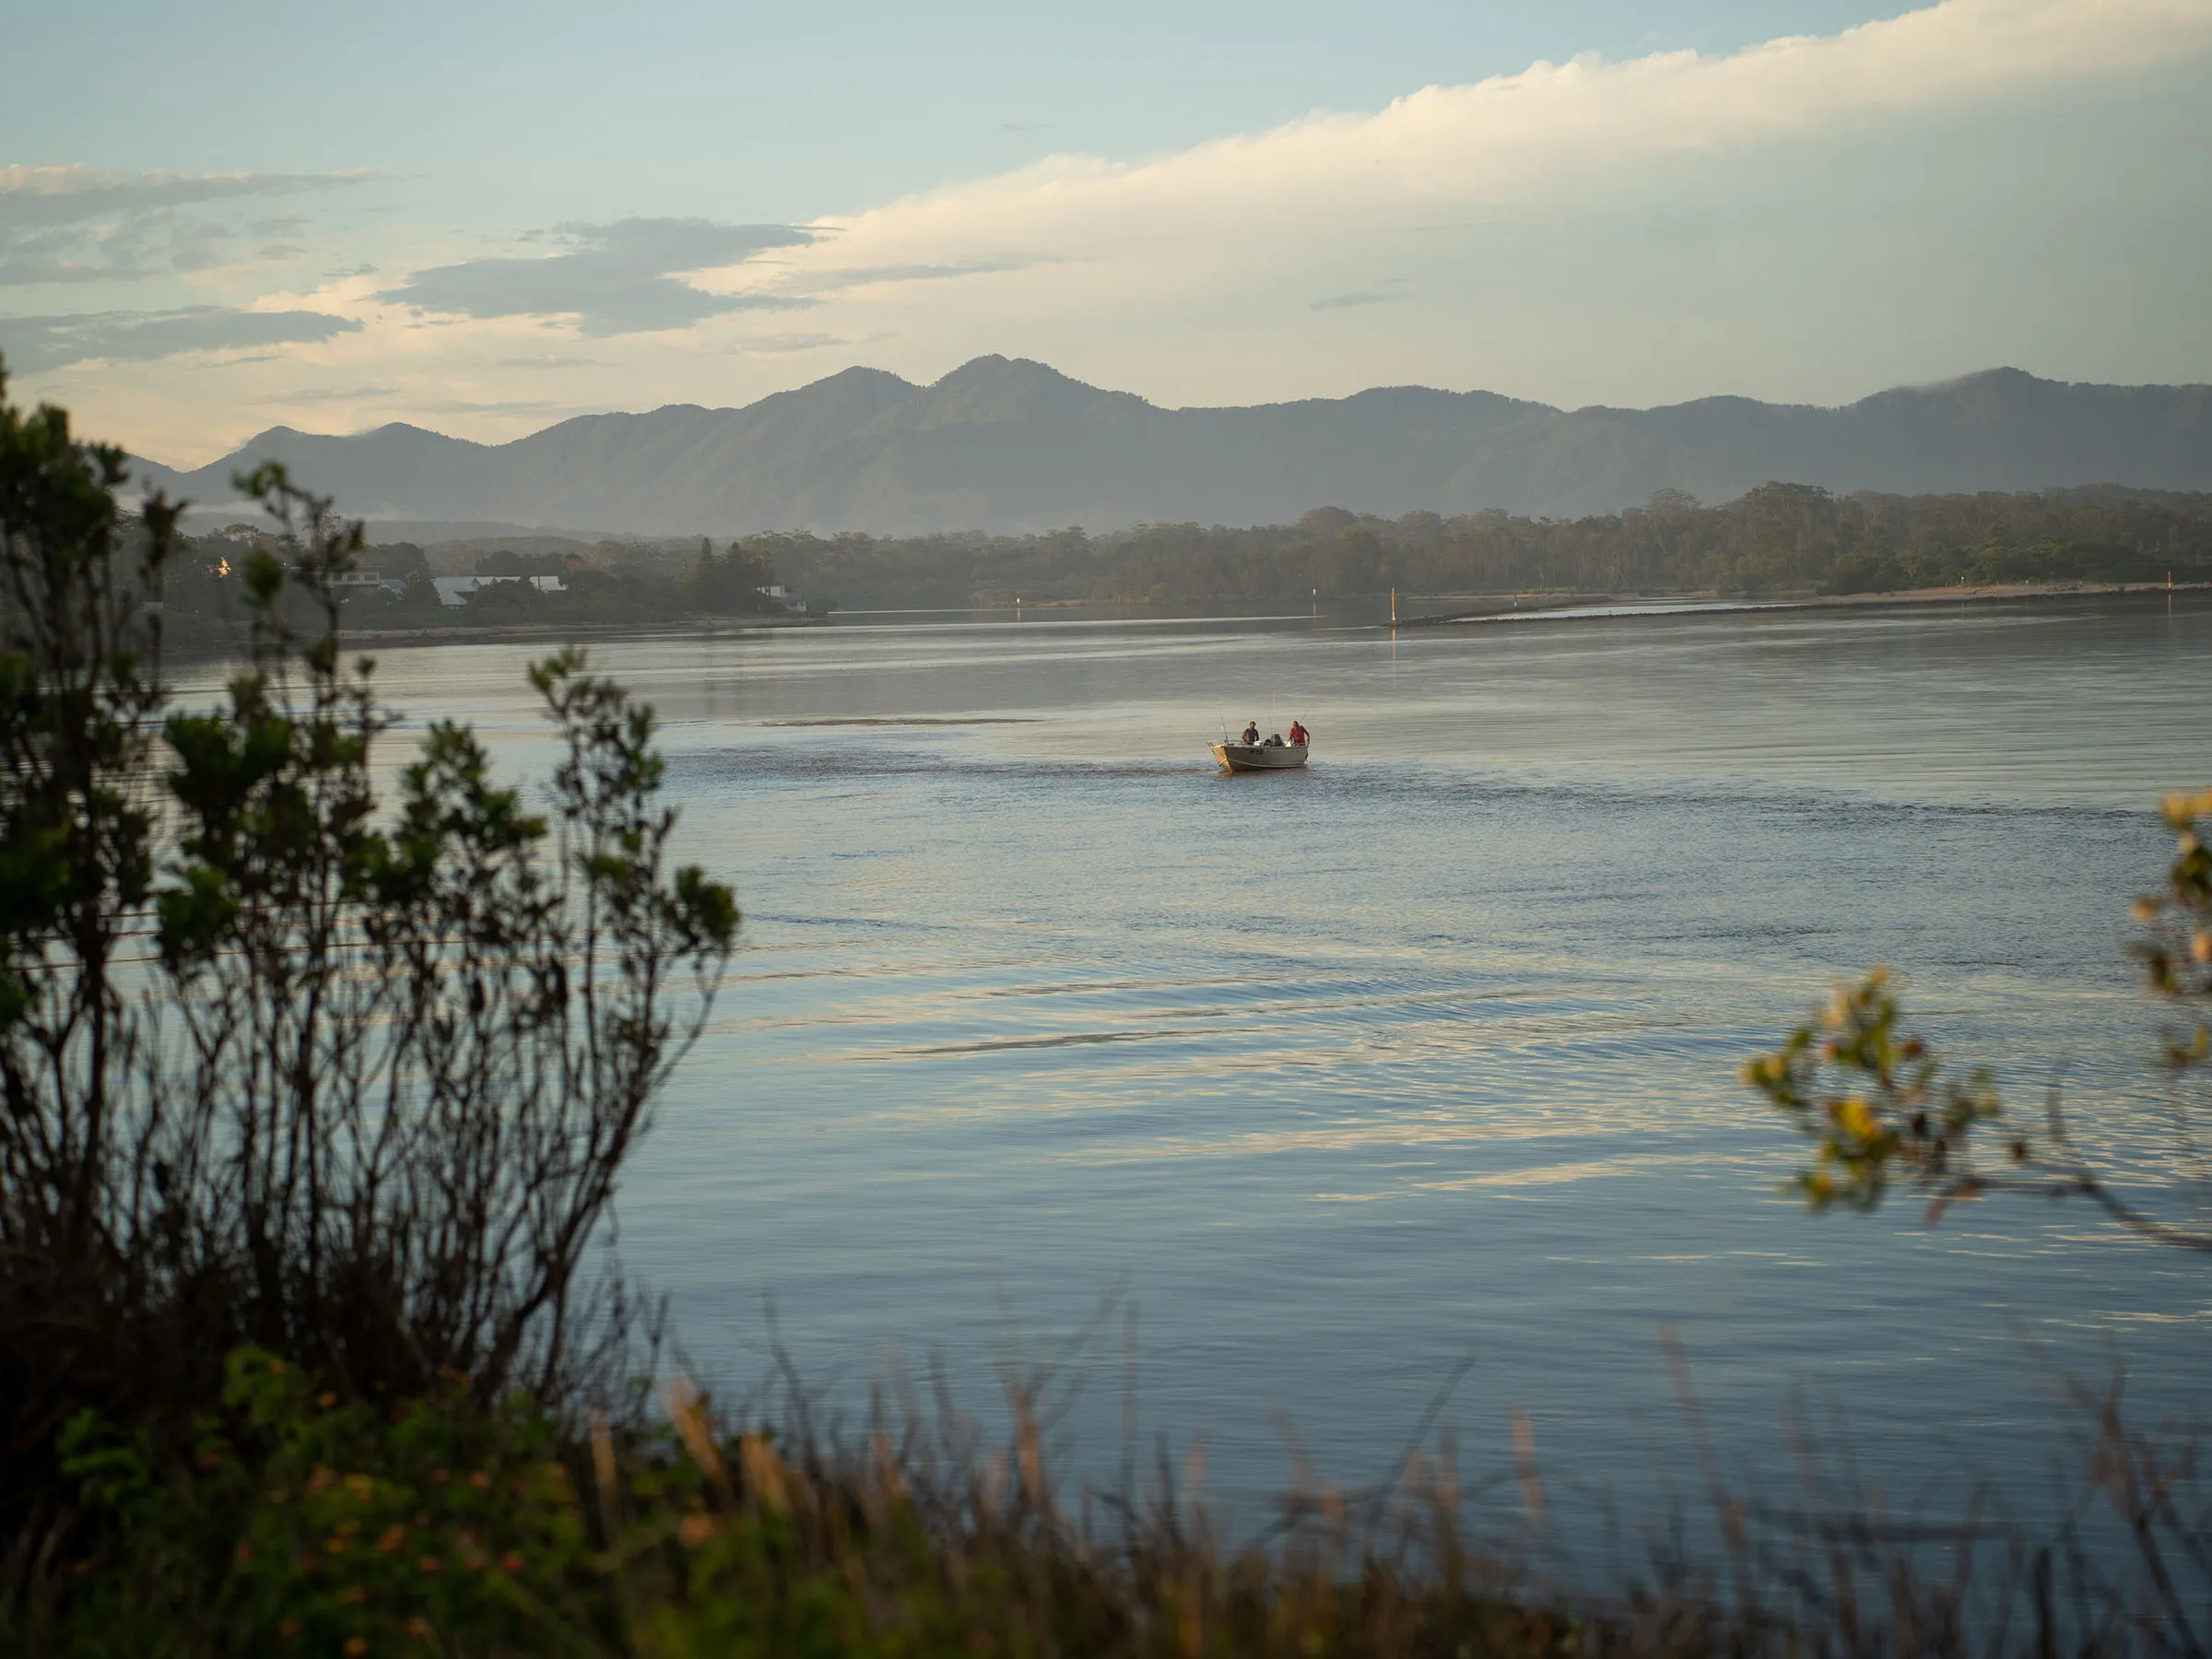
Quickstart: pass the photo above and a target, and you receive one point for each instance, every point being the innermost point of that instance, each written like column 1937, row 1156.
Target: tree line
column 205, row 595
column 1775, row 538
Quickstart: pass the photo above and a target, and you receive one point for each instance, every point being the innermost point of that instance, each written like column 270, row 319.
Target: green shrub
column 302, row 1522
column 281, row 1066
column 299, row 1523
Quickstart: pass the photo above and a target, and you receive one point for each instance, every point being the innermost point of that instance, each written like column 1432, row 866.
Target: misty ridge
column 1010, row 447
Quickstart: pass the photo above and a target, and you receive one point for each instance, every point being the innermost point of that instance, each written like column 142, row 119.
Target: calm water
column 1427, row 1054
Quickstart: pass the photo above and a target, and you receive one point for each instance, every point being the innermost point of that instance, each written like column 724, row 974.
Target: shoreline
column 1564, row 608
column 530, row 630
column 2002, row 593
column 1615, row 608
column 196, row 647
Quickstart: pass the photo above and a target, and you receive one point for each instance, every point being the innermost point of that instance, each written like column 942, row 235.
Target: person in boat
column 1251, row 733
column 1275, row 740
column 1299, row 736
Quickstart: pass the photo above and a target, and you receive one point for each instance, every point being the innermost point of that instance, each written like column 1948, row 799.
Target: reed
column 298, row 1522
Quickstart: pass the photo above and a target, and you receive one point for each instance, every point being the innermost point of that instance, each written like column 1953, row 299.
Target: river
column 1339, row 1080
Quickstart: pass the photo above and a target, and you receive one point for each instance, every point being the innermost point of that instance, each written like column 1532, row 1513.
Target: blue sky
column 483, row 217
column 561, row 110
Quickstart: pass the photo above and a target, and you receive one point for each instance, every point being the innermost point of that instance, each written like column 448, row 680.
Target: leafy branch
column 1881, row 1109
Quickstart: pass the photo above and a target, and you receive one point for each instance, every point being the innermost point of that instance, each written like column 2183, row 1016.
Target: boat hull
column 1259, row 757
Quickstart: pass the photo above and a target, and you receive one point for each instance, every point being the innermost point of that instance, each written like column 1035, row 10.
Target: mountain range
column 1011, row 445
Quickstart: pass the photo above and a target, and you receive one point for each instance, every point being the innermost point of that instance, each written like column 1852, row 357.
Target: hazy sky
column 483, row 217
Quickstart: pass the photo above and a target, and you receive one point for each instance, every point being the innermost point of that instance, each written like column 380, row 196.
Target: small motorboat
column 1259, row 757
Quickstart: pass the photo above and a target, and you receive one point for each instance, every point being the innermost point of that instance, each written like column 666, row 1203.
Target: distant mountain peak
column 2004, row 376
column 861, row 374
column 857, row 388
column 1003, row 388
column 1006, row 443
column 996, row 365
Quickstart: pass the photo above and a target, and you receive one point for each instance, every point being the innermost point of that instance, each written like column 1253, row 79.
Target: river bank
column 190, row 637
column 1569, row 607
column 2001, row 593
column 704, row 626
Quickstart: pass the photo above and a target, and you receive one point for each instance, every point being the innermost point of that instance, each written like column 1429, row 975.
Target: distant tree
column 395, row 561
column 1866, row 571
column 730, row 584
column 511, row 602
column 1781, row 537
column 507, row 562
column 1327, row 521
column 421, row 594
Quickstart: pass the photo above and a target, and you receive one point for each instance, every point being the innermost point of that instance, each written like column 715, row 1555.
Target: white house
column 346, row 583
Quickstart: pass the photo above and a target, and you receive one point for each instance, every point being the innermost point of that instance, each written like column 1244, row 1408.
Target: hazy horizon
column 1937, row 384
column 555, row 213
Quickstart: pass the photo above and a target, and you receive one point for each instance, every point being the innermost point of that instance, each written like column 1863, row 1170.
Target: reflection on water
column 1426, row 1052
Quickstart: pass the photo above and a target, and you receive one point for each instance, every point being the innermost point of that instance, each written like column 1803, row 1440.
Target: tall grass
column 301, row 1522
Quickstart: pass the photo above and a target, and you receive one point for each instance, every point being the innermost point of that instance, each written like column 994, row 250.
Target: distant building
column 792, row 603
column 453, row 590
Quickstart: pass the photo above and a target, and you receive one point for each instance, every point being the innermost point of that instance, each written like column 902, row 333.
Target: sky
column 486, row 218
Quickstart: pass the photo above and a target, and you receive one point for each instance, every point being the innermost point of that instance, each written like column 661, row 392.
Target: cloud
column 548, row 360
column 70, row 194
column 1348, row 302
column 619, row 279
column 839, row 280
column 30, row 344
column 774, row 344
column 1088, row 230
column 519, row 406
column 72, row 224
column 329, row 396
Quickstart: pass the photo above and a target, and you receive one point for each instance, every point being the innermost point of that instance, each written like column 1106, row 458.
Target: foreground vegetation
column 311, row 1111
column 298, row 1522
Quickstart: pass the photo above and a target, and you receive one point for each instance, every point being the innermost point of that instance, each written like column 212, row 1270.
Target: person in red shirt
column 1299, row 736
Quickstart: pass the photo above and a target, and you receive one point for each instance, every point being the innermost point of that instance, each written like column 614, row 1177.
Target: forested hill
column 1001, row 445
